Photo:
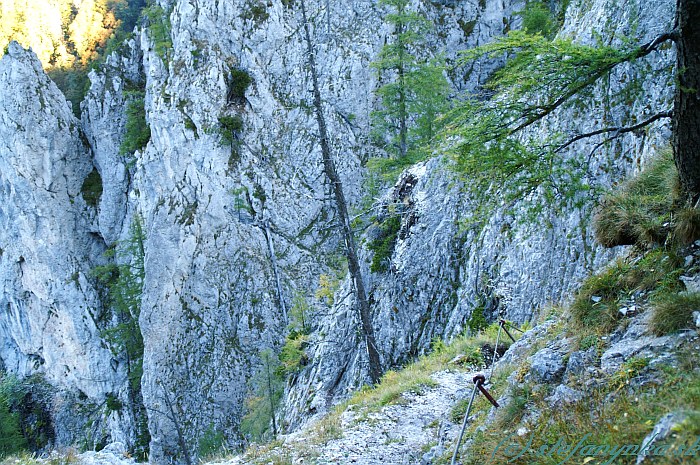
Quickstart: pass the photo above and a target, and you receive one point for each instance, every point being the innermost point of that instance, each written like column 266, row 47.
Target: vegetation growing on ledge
column 238, row 82
column 159, row 28
column 230, row 128
column 648, row 210
column 256, row 12
column 383, row 245
column 138, row 132
column 92, row 188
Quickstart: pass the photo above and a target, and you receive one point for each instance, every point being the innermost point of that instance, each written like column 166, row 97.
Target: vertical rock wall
column 238, row 223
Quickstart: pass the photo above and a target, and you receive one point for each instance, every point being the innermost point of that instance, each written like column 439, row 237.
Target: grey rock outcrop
column 547, row 365
column 49, row 309
column 564, row 395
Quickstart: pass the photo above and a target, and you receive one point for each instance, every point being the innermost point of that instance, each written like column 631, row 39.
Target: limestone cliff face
column 49, row 309
column 234, row 230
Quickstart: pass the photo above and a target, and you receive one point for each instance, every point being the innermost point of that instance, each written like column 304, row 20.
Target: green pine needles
column 124, row 283
column 413, row 95
column 540, row 77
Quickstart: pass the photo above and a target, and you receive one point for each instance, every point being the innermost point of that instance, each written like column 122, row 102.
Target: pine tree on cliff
column 541, row 76
column 375, row 369
column 414, row 91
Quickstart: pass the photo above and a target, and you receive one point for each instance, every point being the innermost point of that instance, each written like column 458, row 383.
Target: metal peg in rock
column 478, row 382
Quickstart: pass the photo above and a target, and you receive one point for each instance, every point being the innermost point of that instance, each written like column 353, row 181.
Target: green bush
column 383, row 245
column 137, row 133
column 92, row 188
column 211, row 443
column 230, row 127
column 477, row 320
column 25, row 413
column 113, row 403
column 257, row 12
column 293, row 354
column 11, row 439
column 238, row 82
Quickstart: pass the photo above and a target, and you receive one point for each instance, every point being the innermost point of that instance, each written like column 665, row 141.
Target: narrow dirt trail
column 401, row 433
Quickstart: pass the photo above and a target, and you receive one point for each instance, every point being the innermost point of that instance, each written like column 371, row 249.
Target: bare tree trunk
column 403, row 112
column 271, row 395
column 686, row 109
column 180, row 435
column 375, row 369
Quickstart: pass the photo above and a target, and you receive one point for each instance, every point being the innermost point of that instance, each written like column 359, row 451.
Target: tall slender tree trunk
column 686, row 108
column 403, row 112
column 180, row 434
column 375, row 369
column 401, row 70
column 271, row 395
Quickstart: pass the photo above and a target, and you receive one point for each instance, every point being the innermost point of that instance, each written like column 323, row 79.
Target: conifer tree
column 329, row 168
column 266, row 389
column 415, row 91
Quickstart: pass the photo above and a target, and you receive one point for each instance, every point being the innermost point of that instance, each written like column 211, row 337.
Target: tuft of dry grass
column 674, row 311
column 640, row 211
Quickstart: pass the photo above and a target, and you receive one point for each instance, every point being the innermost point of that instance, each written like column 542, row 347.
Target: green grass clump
column 674, row 311
column 597, row 303
column 645, row 209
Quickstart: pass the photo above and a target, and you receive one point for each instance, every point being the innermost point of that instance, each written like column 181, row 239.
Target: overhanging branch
column 539, row 112
column 616, row 130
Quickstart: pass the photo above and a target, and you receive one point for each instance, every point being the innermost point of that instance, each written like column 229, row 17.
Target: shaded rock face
column 235, row 229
